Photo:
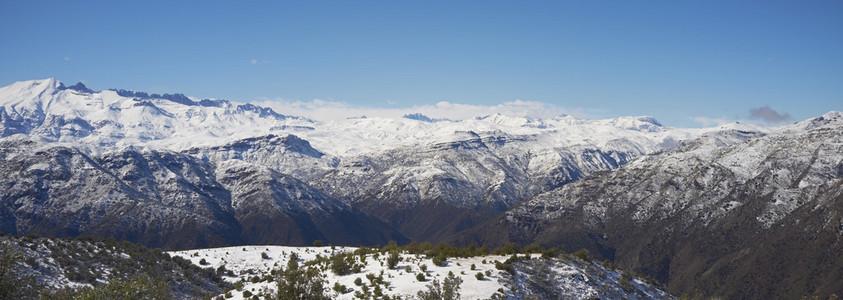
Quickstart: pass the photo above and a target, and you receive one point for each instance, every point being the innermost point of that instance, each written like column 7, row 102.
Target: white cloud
column 767, row 114
column 66, row 58
column 255, row 61
column 325, row 110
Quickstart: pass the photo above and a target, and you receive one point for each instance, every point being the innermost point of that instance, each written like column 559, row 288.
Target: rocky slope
column 166, row 199
column 64, row 267
column 727, row 215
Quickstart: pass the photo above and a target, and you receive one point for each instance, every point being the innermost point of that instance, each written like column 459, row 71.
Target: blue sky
column 687, row 63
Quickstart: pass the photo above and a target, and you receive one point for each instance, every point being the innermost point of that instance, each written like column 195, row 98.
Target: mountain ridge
column 709, row 217
column 152, row 170
column 405, row 172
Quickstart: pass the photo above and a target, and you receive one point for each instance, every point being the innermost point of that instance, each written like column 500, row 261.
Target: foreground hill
column 93, row 268
column 732, row 214
column 51, row 268
column 562, row 276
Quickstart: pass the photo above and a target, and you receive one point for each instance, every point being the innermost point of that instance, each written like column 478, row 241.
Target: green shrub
column 297, row 282
column 505, row 266
column 532, row 248
column 582, row 254
column 12, row 286
column 339, row 288
column 625, row 282
column 339, row 265
column 393, row 259
column 448, row 290
column 440, row 260
column 510, row 248
column 138, row 288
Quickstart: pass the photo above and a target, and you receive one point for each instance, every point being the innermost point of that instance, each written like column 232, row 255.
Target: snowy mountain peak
column 289, row 142
column 49, row 111
column 831, row 117
column 25, row 91
column 509, row 120
column 421, row 117
column 833, row 114
column 177, row 98
column 80, row 87
column 641, row 123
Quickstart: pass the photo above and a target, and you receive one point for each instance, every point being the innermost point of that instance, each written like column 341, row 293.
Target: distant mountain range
column 702, row 210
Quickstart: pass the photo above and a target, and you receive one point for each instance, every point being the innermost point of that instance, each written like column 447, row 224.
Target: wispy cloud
column 66, row 58
column 767, row 114
column 325, row 110
column 708, row 122
column 255, row 61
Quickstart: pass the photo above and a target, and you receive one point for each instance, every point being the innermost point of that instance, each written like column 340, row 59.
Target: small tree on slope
column 297, row 282
column 448, row 290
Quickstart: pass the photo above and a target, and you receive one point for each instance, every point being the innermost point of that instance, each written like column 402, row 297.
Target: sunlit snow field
column 241, row 260
column 578, row 280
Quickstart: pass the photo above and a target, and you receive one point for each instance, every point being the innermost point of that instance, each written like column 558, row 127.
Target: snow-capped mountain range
column 51, row 112
column 405, row 172
column 177, row 172
column 728, row 214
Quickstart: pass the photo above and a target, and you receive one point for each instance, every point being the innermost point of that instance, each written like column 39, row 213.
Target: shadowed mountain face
column 762, row 218
column 169, row 200
column 433, row 192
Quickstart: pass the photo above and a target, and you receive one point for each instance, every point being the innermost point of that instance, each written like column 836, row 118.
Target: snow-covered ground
column 247, row 261
column 571, row 277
